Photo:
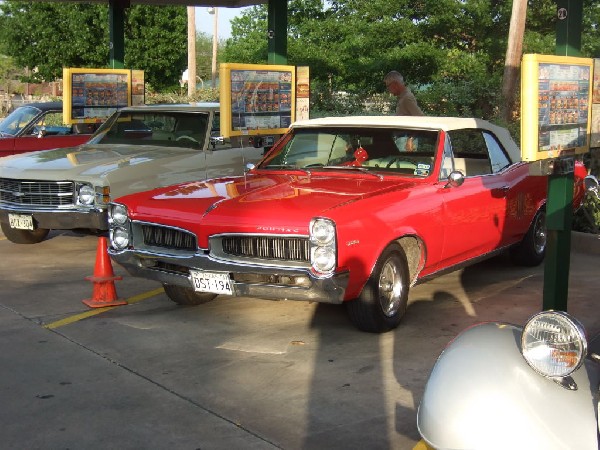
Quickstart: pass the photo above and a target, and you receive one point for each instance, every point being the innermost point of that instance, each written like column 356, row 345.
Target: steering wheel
column 185, row 137
column 397, row 160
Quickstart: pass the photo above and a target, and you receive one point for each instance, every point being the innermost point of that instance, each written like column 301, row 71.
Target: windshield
column 162, row 128
column 379, row 149
column 17, row 120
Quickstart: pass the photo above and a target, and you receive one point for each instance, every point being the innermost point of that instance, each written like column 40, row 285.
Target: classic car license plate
column 217, row 283
column 20, row 221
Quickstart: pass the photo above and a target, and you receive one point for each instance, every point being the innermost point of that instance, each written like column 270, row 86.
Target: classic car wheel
column 382, row 302
column 24, row 236
column 531, row 250
column 187, row 296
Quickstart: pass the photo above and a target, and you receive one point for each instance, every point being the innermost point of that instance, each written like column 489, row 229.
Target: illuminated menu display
column 257, row 98
column 97, row 95
column 261, row 99
column 555, row 106
column 563, row 106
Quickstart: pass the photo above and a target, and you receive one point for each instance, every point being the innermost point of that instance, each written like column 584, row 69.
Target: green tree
column 51, row 36
column 156, row 42
column 451, row 52
column 204, row 50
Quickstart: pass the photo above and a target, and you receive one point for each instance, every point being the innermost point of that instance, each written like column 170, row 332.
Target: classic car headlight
column 553, row 343
column 322, row 231
column 119, row 238
column 117, row 214
column 86, row 195
column 323, row 252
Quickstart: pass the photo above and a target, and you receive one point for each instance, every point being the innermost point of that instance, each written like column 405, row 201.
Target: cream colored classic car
column 138, row 148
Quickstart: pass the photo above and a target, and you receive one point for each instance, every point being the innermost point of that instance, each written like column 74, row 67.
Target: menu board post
column 256, row 99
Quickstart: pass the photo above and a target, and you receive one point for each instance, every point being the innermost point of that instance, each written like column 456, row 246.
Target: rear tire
column 383, row 301
column 24, row 236
column 532, row 249
column 187, row 296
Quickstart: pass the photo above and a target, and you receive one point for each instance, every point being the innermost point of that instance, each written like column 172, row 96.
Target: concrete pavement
column 236, row 372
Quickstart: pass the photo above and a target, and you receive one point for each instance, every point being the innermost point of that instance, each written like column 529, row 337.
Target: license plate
column 20, row 221
column 216, row 283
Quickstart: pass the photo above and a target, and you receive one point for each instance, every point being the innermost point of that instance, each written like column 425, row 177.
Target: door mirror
column 455, row 179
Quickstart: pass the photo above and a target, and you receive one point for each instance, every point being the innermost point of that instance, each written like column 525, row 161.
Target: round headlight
column 553, row 344
column 118, row 214
column 119, row 238
column 323, row 259
column 322, row 231
column 87, row 195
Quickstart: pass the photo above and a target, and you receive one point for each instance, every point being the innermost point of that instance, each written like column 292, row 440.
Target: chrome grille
column 268, row 247
column 37, row 193
column 158, row 236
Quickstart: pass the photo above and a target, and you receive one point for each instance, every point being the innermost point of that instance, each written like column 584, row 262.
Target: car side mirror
column 217, row 140
column 249, row 167
column 455, row 179
column 41, row 132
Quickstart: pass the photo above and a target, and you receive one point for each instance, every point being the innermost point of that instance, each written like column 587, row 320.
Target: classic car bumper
column 60, row 219
column 248, row 280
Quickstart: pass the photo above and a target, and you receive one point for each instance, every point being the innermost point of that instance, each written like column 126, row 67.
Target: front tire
column 383, row 301
column 532, row 249
column 24, row 236
column 187, row 296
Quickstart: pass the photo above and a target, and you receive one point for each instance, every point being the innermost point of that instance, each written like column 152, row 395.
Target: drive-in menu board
column 256, row 99
column 555, row 106
column 595, row 138
column 92, row 95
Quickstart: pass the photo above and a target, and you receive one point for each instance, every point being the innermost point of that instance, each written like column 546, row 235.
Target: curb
column 585, row 243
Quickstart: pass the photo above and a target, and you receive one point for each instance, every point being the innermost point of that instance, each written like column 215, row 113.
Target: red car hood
column 257, row 203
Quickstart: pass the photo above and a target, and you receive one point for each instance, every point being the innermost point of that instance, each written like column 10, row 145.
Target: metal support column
column 277, row 31
column 116, row 27
column 559, row 209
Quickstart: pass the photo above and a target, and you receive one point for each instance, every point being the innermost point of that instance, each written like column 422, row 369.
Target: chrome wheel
column 383, row 300
column 532, row 248
column 390, row 288
column 539, row 234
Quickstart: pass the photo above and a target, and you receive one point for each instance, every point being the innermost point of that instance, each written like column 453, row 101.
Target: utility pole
column 512, row 64
column 215, row 42
column 191, row 13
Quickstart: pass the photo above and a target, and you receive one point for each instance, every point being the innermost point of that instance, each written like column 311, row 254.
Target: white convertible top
column 418, row 122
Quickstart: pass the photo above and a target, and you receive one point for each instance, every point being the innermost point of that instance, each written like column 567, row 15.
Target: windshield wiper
column 360, row 169
column 285, row 167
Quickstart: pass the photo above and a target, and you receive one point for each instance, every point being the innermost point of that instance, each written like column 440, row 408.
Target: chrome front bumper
column 60, row 219
column 248, row 280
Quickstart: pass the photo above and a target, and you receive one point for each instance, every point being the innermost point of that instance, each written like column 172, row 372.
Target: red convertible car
column 349, row 211
column 39, row 126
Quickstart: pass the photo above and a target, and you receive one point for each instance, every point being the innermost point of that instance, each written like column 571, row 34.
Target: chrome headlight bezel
column 119, row 238
column 86, row 195
column 554, row 344
column 120, row 226
column 323, row 246
column 118, row 214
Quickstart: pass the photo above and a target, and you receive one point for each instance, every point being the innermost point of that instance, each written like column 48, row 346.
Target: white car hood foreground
column 127, row 168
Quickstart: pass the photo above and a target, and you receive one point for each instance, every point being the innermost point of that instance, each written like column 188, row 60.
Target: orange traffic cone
column 104, row 278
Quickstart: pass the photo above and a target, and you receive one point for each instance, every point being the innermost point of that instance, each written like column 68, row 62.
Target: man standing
column 407, row 103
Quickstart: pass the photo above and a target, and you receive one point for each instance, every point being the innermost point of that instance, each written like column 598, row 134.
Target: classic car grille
column 158, row 236
column 267, row 247
column 37, row 193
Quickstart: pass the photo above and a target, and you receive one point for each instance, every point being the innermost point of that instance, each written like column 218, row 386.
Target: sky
column 205, row 21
